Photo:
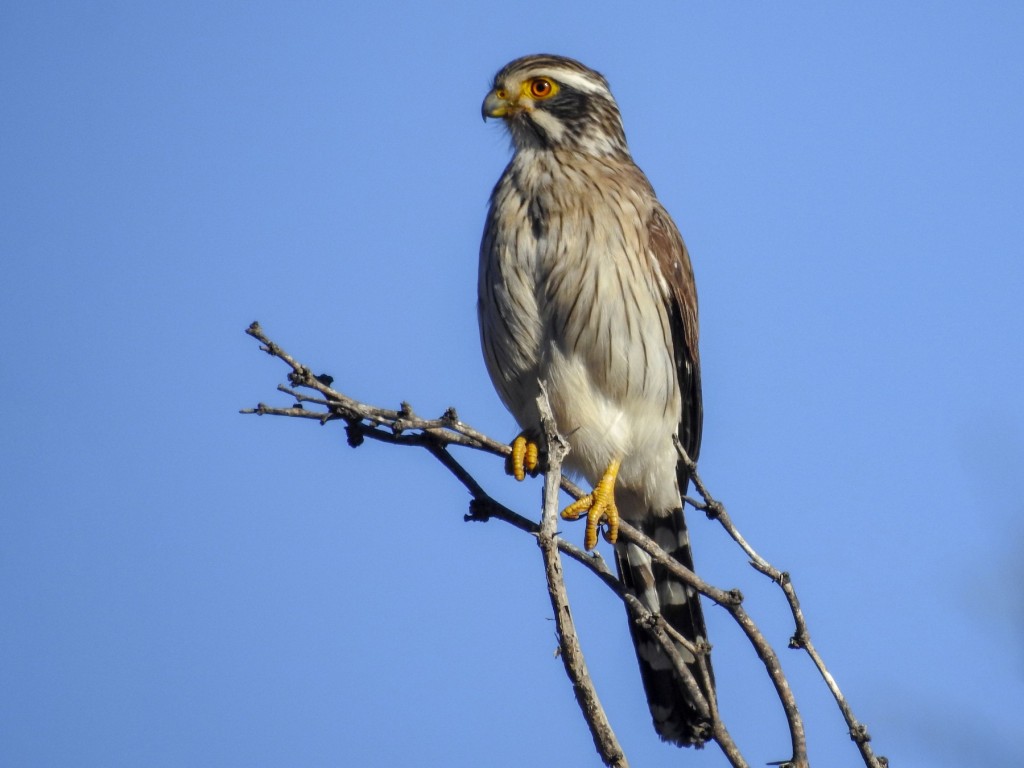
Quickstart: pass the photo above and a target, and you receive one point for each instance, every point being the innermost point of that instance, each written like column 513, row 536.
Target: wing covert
column 673, row 259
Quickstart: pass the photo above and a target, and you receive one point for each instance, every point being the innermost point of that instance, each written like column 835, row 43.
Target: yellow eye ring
column 542, row 88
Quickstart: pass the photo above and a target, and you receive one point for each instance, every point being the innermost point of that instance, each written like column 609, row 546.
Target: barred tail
column 676, row 717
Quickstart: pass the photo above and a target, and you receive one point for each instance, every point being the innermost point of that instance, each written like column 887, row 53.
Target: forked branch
column 314, row 398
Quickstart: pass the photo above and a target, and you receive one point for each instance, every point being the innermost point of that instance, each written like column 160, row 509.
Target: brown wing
column 669, row 249
column 676, row 716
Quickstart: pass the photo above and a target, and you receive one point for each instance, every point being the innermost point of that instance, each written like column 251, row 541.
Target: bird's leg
column 600, row 507
column 524, row 457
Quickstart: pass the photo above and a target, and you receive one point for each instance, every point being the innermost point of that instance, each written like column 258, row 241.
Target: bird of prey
column 585, row 284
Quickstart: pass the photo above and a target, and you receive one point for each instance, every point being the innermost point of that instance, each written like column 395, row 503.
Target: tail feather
column 676, row 717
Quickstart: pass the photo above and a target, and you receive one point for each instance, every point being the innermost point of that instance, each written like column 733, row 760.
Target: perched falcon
column 585, row 284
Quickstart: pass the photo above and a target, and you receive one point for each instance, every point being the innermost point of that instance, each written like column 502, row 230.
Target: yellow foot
column 524, row 458
column 600, row 507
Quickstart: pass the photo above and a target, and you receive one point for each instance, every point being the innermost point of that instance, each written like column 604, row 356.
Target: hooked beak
column 496, row 106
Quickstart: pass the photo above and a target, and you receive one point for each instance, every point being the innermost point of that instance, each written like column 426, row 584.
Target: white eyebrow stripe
column 568, row 77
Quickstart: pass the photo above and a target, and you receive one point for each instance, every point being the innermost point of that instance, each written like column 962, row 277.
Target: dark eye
column 541, row 88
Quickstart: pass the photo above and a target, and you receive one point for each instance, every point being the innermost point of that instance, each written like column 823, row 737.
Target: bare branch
column 732, row 601
column 801, row 638
column 404, row 427
column 568, row 641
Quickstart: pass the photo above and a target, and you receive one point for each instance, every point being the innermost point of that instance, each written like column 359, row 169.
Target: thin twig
column 801, row 638
column 732, row 601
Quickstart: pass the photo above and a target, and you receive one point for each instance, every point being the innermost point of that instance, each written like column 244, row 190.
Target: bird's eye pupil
column 541, row 88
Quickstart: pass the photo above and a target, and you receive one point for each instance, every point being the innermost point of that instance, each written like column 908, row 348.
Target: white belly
column 600, row 428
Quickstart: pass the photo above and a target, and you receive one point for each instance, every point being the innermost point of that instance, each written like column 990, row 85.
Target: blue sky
column 182, row 585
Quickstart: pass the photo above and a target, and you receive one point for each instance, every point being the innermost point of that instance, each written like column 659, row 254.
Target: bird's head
column 551, row 102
